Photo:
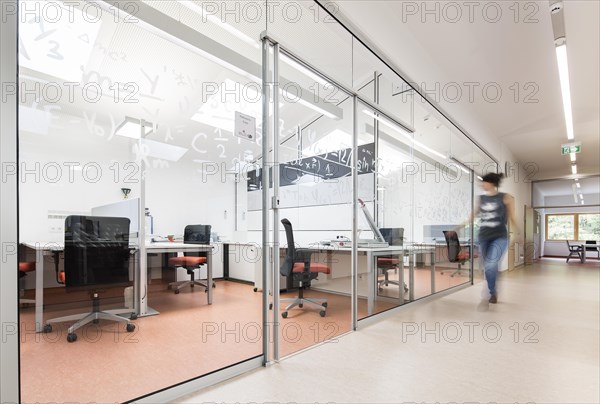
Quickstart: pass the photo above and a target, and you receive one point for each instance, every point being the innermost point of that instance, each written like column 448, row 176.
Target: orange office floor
column 188, row 339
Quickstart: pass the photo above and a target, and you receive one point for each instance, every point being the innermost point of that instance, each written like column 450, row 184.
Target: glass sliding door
column 314, row 211
column 139, row 121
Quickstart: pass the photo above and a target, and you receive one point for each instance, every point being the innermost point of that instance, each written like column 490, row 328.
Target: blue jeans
column 492, row 252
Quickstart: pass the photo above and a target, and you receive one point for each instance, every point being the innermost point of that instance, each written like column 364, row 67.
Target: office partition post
column 471, row 230
column 9, row 230
column 275, row 204
column 265, row 197
column 376, row 210
column 354, row 296
column 142, row 284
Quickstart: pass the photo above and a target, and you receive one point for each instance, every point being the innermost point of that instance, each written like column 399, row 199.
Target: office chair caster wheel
column 325, row 304
column 96, row 321
column 214, row 285
column 255, row 290
column 133, row 316
column 284, row 314
column 300, row 305
column 71, row 337
column 270, row 306
column 176, row 291
column 47, row 329
column 322, row 313
column 130, row 327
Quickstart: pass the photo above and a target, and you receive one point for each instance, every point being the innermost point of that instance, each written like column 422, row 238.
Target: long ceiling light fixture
column 132, row 128
column 405, row 134
column 563, row 71
column 560, row 42
column 207, row 16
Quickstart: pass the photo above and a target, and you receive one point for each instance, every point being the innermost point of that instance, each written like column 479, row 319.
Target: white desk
column 582, row 245
column 50, row 248
column 372, row 276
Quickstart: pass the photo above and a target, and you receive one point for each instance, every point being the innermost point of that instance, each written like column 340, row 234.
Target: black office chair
column 297, row 265
column 591, row 245
column 456, row 253
column 575, row 250
column 96, row 254
column 193, row 234
column 394, row 236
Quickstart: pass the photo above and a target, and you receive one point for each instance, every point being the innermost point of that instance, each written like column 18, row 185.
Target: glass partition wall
column 237, row 124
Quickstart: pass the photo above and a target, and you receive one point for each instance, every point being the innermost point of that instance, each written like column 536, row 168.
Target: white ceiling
column 501, row 53
column 169, row 76
column 589, row 186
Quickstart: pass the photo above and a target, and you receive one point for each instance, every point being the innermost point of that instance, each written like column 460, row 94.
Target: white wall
column 51, row 186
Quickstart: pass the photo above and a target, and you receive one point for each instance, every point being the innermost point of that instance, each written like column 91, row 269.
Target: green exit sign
column 570, row 148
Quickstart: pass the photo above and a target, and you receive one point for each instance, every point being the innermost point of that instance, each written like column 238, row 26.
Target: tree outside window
column 573, row 226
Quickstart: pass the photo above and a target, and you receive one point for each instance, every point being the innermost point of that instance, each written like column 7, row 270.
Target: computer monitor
column 393, row 235
column 96, row 251
column 376, row 233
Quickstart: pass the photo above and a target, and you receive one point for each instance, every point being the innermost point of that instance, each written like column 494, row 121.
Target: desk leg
column 209, row 281
column 411, row 277
column 433, row 272
column 372, row 275
column 401, row 276
column 39, row 290
column 583, row 257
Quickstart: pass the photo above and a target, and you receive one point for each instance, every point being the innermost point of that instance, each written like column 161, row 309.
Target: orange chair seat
column 314, row 267
column 26, row 266
column 388, row 261
column 186, row 261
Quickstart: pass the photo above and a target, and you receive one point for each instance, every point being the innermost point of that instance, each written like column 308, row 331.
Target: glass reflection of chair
column 96, row 255
column 394, row 236
column 298, row 265
column 193, row 234
column 456, row 253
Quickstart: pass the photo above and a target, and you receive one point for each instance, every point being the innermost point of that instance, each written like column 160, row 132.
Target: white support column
column 9, row 287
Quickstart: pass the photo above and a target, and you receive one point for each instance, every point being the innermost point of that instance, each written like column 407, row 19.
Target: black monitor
column 96, row 251
column 197, row 234
column 393, row 235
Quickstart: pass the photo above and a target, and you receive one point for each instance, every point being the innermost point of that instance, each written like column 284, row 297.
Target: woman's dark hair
column 493, row 178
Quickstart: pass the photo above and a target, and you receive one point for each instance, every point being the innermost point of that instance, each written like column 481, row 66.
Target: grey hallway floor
column 539, row 344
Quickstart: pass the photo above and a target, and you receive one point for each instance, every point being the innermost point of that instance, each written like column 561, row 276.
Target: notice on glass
column 245, row 126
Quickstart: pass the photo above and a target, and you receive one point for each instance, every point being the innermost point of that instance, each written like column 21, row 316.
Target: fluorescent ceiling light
column 574, row 169
column 334, row 141
column 160, row 150
column 405, row 134
column 198, row 9
column 578, row 184
column 303, row 69
column 219, row 110
column 314, row 107
column 580, row 196
column 34, row 120
column 563, row 71
column 582, row 202
column 573, row 157
column 61, row 46
column 464, row 169
column 480, row 178
column 131, row 128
